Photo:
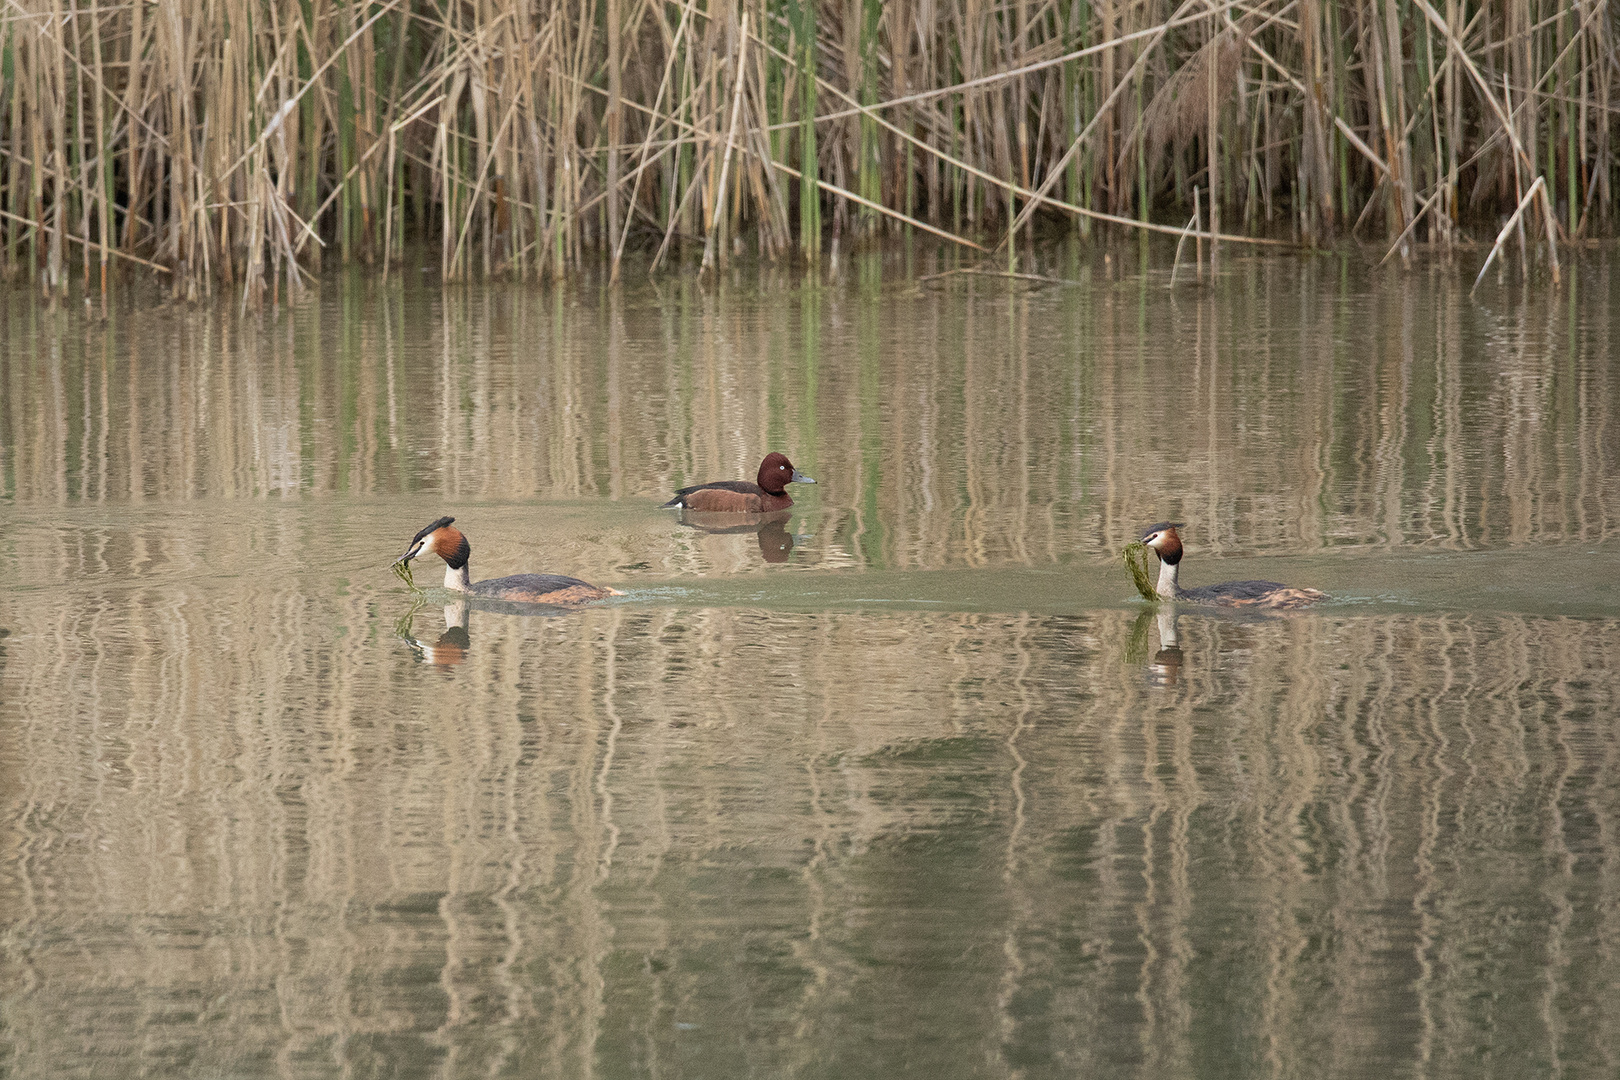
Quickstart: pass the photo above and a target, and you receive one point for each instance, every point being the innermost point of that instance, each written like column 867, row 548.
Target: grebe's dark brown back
column 1166, row 544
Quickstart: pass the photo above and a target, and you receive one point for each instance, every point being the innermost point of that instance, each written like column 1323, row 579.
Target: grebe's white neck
column 1167, row 588
column 457, row 580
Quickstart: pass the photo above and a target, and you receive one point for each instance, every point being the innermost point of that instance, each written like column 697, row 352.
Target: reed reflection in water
column 259, row 837
column 1298, row 406
column 929, row 797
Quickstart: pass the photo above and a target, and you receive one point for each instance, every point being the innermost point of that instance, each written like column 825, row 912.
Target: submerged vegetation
column 246, row 142
column 402, row 570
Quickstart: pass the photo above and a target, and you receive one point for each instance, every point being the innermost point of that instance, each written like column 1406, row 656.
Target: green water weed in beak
column 402, row 570
column 1135, row 556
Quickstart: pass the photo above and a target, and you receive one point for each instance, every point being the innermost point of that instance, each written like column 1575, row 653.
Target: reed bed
column 247, row 142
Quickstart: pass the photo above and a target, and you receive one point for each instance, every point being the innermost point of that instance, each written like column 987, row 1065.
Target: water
column 908, row 784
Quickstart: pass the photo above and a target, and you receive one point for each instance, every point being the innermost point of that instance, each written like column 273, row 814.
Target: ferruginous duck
column 769, row 493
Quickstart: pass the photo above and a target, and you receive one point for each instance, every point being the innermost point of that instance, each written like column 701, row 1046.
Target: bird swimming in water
column 1166, row 544
column 768, row 494
column 447, row 542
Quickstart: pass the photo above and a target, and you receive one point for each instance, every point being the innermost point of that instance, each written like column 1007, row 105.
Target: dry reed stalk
column 221, row 143
column 1038, row 197
column 56, row 76
column 1194, row 226
column 717, row 211
column 1103, row 110
column 19, row 219
column 1539, row 187
column 832, row 189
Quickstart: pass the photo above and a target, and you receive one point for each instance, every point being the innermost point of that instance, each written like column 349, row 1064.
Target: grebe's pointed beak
column 415, row 550
column 800, row 478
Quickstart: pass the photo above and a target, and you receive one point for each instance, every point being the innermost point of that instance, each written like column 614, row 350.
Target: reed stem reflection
column 936, row 774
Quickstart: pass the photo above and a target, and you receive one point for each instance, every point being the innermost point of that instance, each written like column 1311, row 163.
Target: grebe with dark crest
column 1166, row 544
column 447, row 542
column 768, row 494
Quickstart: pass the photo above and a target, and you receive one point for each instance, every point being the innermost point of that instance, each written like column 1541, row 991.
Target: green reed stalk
column 79, row 163
column 345, row 159
column 1567, row 109
column 9, row 227
column 809, row 156
column 869, row 183
column 56, row 79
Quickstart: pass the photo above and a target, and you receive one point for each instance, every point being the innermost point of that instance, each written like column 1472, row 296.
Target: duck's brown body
column 766, row 495
column 447, row 542
column 731, row 497
column 1267, row 595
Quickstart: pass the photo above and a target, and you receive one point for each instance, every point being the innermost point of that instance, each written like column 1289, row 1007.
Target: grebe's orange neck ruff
column 447, row 542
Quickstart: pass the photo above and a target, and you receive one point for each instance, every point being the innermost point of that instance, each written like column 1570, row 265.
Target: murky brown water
column 907, row 785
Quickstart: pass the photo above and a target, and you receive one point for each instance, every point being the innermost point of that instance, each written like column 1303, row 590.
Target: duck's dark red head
column 1164, row 541
column 776, row 472
column 441, row 539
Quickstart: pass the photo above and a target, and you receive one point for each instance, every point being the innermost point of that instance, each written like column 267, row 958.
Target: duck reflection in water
column 775, row 542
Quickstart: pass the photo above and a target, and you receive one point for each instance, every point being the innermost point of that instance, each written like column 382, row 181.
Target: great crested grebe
column 776, row 472
column 1166, row 544
column 447, row 542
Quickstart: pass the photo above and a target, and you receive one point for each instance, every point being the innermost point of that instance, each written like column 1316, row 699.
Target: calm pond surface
column 908, row 784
